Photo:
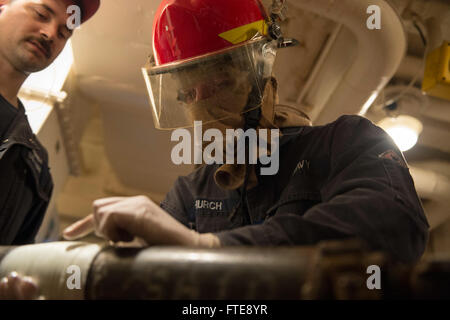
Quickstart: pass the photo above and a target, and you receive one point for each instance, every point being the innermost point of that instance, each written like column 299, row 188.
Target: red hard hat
column 185, row 29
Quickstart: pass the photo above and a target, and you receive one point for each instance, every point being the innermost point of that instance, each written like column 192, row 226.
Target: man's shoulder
column 346, row 125
column 20, row 132
column 359, row 126
column 349, row 121
column 353, row 127
column 348, row 132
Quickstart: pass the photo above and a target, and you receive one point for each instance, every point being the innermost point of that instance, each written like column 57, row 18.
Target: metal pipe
column 409, row 68
column 322, row 57
column 379, row 53
column 330, row 270
column 182, row 273
column 431, row 185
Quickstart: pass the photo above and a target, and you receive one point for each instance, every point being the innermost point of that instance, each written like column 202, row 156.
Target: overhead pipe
column 410, row 68
column 322, row 57
column 435, row 187
column 380, row 53
column 431, row 185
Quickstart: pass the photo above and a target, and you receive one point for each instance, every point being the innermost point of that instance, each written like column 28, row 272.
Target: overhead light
column 404, row 130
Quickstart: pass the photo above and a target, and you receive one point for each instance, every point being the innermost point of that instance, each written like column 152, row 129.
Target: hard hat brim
column 179, row 65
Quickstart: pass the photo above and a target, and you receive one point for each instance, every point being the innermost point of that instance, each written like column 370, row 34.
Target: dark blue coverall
column 25, row 181
column 345, row 179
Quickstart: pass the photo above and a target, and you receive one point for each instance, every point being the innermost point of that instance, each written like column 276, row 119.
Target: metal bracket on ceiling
column 278, row 13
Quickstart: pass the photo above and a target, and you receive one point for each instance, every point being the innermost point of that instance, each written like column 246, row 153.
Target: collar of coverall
column 232, row 176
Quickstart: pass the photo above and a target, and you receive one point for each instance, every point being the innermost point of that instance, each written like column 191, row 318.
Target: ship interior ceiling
column 102, row 141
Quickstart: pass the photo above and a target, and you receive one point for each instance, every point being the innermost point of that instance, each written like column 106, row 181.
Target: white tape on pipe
column 54, row 266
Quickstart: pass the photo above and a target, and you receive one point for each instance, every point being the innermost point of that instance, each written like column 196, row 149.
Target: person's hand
column 15, row 287
column 123, row 219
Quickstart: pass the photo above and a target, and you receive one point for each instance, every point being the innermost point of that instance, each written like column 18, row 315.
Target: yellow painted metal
column 436, row 81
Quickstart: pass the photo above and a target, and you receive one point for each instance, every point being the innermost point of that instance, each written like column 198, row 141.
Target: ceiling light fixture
column 404, row 130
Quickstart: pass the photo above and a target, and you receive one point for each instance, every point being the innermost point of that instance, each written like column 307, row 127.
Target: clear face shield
column 210, row 88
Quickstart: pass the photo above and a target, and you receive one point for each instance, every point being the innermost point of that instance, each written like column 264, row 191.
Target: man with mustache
column 32, row 34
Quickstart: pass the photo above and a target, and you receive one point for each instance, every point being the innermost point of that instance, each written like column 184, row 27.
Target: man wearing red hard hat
column 32, row 34
column 212, row 62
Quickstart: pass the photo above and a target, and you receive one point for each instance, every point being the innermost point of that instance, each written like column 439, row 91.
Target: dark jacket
column 25, row 182
column 345, row 179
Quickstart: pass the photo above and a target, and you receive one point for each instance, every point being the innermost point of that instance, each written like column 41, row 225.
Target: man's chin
column 34, row 70
column 30, row 63
column 33, row 67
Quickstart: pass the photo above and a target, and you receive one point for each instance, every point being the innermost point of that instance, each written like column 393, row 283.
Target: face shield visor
column 210, row 88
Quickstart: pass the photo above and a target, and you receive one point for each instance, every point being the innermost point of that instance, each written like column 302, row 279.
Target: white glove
column 122, row 219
